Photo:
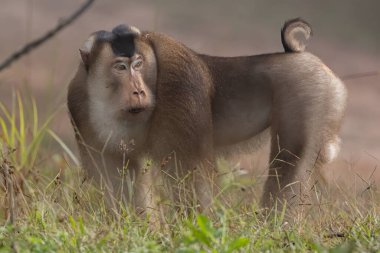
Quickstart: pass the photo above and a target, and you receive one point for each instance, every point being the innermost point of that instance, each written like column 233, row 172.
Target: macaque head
column 121, row 83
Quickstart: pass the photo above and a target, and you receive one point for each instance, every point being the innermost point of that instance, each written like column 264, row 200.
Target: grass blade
column 64, row 147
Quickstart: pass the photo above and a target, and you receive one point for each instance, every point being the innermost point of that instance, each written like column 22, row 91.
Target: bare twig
column 10, row 193
column 9, row 185
column 37, row 42
column 337, row 234
column 359, row 75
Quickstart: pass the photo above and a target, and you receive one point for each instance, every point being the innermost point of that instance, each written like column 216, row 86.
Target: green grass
column 58, row 211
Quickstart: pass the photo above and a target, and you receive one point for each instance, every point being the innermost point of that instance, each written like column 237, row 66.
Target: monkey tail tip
column 289, row 31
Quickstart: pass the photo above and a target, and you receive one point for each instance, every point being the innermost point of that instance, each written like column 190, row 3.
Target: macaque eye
column 136, row 64
column 120, row 66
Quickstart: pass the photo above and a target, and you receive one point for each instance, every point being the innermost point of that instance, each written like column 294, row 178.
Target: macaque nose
column 139, row 93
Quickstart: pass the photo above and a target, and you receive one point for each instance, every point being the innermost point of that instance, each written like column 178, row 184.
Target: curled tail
column 288, row 35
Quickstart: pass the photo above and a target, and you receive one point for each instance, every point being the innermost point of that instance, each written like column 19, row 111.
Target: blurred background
column 346, row 38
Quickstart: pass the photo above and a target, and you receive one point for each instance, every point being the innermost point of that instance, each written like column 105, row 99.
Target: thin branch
column 37, row 42
column 359, row 75
column 8, row 178
column 10, row 192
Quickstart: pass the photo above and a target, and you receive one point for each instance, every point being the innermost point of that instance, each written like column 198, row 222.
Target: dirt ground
column 346, row 38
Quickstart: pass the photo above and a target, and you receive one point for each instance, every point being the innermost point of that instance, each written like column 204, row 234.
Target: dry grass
column 57, row 210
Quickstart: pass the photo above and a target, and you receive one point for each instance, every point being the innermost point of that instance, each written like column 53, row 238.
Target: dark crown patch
column 121, row 39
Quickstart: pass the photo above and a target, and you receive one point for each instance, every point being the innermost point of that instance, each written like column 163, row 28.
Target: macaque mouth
column 136, row 110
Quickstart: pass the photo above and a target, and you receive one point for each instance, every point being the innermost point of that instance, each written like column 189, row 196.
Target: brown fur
column 292, row 94
column 202, row 103
column 180, row 126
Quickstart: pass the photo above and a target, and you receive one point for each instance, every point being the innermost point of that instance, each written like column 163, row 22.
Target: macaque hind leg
column 295, row 155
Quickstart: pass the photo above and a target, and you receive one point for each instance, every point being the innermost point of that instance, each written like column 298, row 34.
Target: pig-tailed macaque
column 144, row 104
column 141, row 105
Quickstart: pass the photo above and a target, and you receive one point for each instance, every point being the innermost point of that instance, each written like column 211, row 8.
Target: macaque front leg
column 146, row 192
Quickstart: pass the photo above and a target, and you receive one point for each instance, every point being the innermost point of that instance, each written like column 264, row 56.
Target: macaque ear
column 85, row 56
column 86, row 50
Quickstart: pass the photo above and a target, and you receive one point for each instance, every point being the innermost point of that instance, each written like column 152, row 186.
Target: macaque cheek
column 150, row 86
column 149, row 99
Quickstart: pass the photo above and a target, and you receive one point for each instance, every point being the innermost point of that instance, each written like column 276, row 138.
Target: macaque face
column 121, row 89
